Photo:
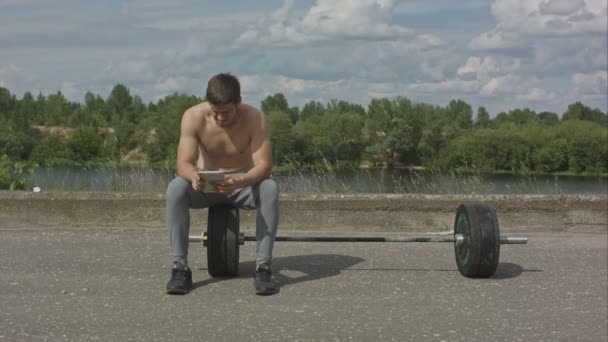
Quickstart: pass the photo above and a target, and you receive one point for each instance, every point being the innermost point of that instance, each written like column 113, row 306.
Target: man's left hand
column 229, row 185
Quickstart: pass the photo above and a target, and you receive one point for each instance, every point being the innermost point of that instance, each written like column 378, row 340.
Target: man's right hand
column 198, row 183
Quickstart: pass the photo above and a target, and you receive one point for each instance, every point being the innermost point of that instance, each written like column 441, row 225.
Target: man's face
column 225, row 115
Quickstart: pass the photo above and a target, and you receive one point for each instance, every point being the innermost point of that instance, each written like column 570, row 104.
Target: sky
column 500, row 54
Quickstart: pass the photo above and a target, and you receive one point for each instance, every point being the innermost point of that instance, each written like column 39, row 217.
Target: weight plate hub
column 477, row 256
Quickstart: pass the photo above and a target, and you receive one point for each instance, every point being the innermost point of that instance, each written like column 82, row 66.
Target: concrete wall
column 327, row 212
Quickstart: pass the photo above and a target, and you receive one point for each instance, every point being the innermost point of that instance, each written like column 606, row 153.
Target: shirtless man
column 225, row 134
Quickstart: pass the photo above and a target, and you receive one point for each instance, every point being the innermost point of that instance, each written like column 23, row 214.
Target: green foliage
column 483, row 117
column 122, row 129
column 548, row 118
column 461, row 113
column 15, row 142
column 281, row 139
column 578, row 111
column 52, row 149
column 278, row 102
column 84, row 144
column 7, row 104
column 14, row 175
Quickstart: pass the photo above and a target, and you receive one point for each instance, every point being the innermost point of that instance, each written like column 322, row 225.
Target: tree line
column 50, row 130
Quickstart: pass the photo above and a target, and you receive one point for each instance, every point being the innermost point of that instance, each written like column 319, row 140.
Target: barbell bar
column 456, row 238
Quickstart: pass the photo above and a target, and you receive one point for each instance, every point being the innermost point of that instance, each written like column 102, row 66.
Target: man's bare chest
column 225, row 144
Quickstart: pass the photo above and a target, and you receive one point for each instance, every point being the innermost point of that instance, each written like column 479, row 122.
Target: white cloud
column 496, row 40
column 428, row 40
column 314, row 50
column 591, row 84
column 425, row 6
column 141, row 69
column 465, row 86
column 520, row 19
column 328, row 20
column 484, row 68
column 475, row 65
column 501, row 84
column 12, row 76
column 536, row 94
column 168, row 85
column 70, row 90
column 484, row 76
column 561, row 7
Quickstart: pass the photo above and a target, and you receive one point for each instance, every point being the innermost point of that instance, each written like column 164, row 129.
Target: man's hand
column 230, row 184
column 198, row 183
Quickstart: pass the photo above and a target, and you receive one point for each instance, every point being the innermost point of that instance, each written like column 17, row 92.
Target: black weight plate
column 223, row 241
column 477, row 256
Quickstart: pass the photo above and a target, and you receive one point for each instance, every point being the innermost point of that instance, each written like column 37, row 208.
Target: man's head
column 223, row 89
column 224, row 96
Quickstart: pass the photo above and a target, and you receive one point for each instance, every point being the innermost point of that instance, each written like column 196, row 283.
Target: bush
column 14, row 175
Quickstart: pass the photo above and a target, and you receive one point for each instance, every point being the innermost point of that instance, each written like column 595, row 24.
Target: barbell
column 476, row 240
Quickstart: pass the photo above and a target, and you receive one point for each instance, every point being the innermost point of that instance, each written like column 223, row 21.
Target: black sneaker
column 263, row 281
column 181, row 280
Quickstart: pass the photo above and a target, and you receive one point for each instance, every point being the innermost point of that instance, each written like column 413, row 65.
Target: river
column 359, row 181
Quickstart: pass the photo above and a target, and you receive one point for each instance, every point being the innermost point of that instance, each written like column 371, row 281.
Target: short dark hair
column 222, row 89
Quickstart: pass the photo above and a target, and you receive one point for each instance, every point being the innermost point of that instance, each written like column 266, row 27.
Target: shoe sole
column 265, row 292
column 177, row 292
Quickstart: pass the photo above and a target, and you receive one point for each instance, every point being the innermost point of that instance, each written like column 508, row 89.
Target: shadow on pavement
column 507, row 270
column 503, row 271
column 312, row 267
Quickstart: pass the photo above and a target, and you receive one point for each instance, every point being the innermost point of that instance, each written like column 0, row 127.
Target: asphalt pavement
column 108, row 285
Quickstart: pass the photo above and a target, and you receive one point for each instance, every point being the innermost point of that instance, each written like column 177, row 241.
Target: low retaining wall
column 327, row 212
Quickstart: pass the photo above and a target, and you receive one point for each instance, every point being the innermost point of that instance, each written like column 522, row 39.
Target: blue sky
column 501, row 54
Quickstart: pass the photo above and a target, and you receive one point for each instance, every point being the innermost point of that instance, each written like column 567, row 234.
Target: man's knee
column 269, row 190
column 177, row 189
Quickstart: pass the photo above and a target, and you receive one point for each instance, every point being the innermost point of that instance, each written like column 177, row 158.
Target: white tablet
column 210, row 178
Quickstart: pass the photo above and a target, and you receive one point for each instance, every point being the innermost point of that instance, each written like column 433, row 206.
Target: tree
column 311, row 109
column 553, row 156
column 278, row 102
column 56, row 110
column 342, row 107
column 501, row 118
column 522, row 117
column 483, row 118
column 26, row 110
column 84, row 144
column 394, row 130
column 461, row 113
column 578, row 111
column 50, row 149
column 7, row 103
column 380, row 115
column 343, row 136
column 120, row 104
column 281, row 138
column 548, row 118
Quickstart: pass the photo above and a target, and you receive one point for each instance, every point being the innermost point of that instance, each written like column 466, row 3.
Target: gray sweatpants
column 263, row 196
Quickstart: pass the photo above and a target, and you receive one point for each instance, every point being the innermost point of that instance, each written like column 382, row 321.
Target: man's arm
column 261, row 152
column 187, row 150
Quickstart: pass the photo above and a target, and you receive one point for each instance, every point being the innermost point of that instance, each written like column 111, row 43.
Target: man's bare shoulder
column 193, row 118
column 197, row 111
column 251, row 113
